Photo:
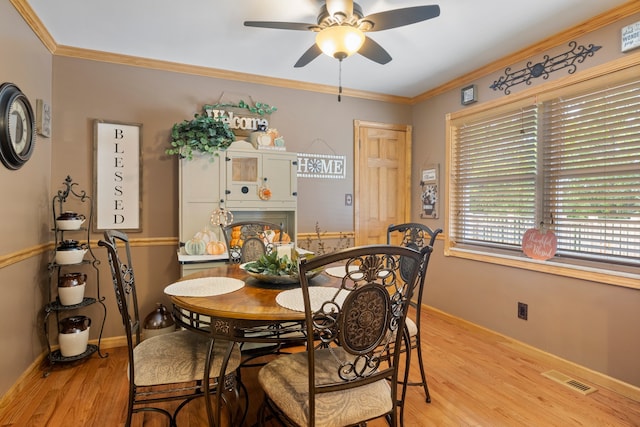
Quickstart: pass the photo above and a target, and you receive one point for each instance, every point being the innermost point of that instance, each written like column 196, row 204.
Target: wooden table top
column 256, row 300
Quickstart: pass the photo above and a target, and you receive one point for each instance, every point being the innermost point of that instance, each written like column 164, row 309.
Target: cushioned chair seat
column 161, row 359
column 285, row 380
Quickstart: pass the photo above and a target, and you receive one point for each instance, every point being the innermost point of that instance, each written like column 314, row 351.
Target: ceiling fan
column 341, row 26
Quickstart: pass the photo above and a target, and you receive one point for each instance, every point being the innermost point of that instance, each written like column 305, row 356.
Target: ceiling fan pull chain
column 339, row 80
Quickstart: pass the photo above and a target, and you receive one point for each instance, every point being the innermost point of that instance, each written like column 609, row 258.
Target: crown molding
column 595, row 23
column 599, row 21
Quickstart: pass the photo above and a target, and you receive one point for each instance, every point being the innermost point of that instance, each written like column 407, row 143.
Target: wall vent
column 570, row 382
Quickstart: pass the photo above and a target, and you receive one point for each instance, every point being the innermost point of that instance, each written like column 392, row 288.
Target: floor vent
column 570, row 382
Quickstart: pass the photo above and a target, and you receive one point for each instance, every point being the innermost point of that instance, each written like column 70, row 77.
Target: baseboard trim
column 555, row 362
column 33, row 370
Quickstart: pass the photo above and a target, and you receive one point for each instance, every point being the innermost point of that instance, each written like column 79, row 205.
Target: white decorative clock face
column 18, row 126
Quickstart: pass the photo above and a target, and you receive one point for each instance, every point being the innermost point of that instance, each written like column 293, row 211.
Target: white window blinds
column 494, row 164
column 571, row 162
column 591, row 168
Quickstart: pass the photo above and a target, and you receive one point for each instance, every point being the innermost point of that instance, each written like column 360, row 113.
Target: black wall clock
column 17, row 127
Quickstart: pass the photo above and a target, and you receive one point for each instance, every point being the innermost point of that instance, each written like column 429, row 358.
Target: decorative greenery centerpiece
column 203, row 134
column 274, row 269
column 274, row 265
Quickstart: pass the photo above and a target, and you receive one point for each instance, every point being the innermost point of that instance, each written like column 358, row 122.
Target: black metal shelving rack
column 54, row 306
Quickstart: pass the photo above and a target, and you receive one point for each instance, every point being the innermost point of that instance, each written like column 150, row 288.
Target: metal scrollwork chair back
column 415, row 236
column 169, row 366
column 343, row 377
column 248, row 240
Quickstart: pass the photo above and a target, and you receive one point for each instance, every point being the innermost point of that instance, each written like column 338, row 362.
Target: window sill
column 583, row 272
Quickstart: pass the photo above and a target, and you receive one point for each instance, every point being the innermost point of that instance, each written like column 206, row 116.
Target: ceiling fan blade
column 401, row 17
column 374, row 52
column 312, row 53
column 299, row 26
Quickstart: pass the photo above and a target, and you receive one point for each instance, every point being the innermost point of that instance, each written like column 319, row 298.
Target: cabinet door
column 200, row 193
column 280, row 171
column 243, row 176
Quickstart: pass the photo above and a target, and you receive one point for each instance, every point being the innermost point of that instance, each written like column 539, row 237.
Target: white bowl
column 69, row 224
column 70, row 295
column 73, row 256
column 73, row 344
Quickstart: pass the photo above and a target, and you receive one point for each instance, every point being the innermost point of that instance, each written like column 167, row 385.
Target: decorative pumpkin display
column 235, row 237
column 206, row 235
column 216, row 248
column 539, row 243
column 195, row 246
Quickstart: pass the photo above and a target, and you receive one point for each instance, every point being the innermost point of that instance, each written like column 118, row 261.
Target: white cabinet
column 235, row 181
column 201, row 193
column 249, row 172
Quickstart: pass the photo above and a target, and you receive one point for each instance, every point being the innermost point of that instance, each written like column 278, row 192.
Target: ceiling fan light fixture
column 340, row 41
column 342, row 7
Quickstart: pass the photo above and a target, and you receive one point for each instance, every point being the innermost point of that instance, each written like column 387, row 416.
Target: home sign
column 321, row 166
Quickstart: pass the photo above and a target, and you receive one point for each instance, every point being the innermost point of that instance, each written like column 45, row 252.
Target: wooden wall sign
column 117, row 174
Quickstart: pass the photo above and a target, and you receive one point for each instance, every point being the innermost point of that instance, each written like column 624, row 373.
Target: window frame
column 615, row 71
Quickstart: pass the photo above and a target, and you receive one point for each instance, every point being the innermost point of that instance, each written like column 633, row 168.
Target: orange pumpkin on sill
column 216, row 248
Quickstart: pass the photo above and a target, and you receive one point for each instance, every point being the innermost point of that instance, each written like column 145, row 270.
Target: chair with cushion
column 415, row 236
column 343, row 377
column 248, row 240
column 170, row 366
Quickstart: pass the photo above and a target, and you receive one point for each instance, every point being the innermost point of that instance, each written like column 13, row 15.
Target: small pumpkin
column 285, row 237
column 539, row 243
column 195, row 247
column 236, row 232
column 216, row 248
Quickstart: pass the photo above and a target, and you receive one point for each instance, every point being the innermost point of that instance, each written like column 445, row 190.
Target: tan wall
column 90, row 90
column 588, row 323
column 591, row 324
column 24, row 211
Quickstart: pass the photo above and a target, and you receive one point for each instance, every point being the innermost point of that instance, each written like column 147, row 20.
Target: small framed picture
column 468, row 95
column 429, row 196
column 43, row 118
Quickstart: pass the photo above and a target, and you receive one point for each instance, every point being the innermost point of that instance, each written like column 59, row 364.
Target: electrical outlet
column 523, row 311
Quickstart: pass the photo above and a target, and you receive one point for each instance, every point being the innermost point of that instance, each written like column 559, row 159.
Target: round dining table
column 234, row 315
column 249, row 314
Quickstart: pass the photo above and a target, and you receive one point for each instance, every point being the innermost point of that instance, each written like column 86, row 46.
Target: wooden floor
column 476, row 378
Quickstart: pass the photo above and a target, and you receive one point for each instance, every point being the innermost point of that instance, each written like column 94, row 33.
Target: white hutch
column 235, row 182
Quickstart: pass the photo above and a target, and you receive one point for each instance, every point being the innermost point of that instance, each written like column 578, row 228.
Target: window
column 567, row 158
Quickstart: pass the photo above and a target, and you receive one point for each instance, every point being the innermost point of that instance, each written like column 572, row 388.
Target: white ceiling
column 210, row 33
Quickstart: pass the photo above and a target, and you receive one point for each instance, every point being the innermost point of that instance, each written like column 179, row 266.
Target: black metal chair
column 248, row 240
column 415, row 236
column 343, row 377
column 169, row 366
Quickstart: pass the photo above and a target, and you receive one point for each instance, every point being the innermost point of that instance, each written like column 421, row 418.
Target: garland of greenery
column 206, row 134
column 259, row 108
column 201, row 134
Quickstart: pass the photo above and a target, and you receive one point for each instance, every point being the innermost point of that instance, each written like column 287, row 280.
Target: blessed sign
column 117, row 175
column 321, row 166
